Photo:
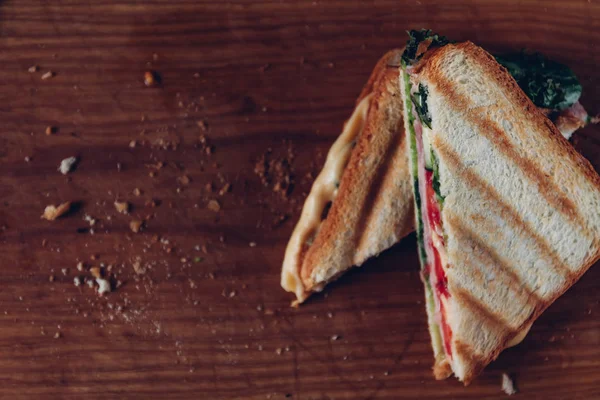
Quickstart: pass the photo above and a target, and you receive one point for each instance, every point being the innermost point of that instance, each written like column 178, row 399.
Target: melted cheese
column 519, row 338
column 323, row 191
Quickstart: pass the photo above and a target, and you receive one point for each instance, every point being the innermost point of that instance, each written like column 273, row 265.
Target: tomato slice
column 441, row 287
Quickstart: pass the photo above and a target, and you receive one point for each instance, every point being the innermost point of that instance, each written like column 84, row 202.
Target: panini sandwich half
column 361, row 202
column 507, row 212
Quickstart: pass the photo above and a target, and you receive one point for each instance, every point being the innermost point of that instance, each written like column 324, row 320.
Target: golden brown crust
column 347, row 221
column 442, row 369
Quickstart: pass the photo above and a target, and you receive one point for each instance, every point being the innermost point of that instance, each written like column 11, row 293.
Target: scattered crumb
column 132, row 144
column 137, row 267
column 135, row 225
column 150, row 78
column 252, row 244
column 278, row 351
column 80, row 266
column 33, row 68
column 122, row 207
column 184, row 180
column 51, row 278
column 47, row 75
column 89, row 219
column 508, row 385
column 103, row 286
column 50, row 130
column 77, row 281
column 96, row 273
column 213, row 205
column 64, row 271
column 57, row 335
column 137, row 192
column 27, row 159
column 202, row 125
column 90, row 283
column 276, row 172
column 335, row 337
column 52, row 212
column 67, row 165
column 225, row 189
column 232, row 294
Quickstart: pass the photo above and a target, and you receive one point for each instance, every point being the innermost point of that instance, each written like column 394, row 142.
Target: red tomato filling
column 441, row 287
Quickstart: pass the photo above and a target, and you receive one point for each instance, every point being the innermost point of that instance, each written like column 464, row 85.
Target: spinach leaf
column 547, row 83
column 436, row 178
column 419, row 99
column 416, row 37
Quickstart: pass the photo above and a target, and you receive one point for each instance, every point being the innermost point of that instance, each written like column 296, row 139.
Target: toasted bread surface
column 521, row 210
column 372, row 208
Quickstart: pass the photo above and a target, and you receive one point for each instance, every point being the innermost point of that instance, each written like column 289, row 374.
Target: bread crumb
column 50, row 130
column 135, row 225
column 132, row 144
column 213, row 205
column 77, row 281
column 508, row 385
column 252, row 244
column 90, row 283
column 67, row 165
column 225, row 189
column 57, row 335
column 52, row 212
column 80, row 266
column 122, row 207
column 335, row 337
column 89, row 219
column 202, row 125
column 137, row 267
column 103, row 286
column 150, row 78
column 278, row 351
column 137, row 192
column 184, row 180
column 96, row 273
column 47, row 75
column 33, row 68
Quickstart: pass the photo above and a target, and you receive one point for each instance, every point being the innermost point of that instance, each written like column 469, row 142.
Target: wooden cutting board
column 198, row 311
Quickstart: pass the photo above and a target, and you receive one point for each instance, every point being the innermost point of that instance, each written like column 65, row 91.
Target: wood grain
column 266, row 74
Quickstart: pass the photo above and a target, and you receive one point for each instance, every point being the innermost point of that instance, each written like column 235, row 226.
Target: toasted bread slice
column 366, row 183
column 520, row 210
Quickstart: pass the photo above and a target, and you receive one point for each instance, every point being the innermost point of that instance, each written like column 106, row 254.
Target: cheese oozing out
column 323, row 191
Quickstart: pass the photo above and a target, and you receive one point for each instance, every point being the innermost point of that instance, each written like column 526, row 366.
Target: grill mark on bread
column 514, row 282
column 492, row 131
column 507, row 212
column 497, row 322
column 338, row 231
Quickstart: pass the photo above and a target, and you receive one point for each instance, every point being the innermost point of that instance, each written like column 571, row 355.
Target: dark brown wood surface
column 259, row 75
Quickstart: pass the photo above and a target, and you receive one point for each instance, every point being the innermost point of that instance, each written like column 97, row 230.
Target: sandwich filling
column 429, row 203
